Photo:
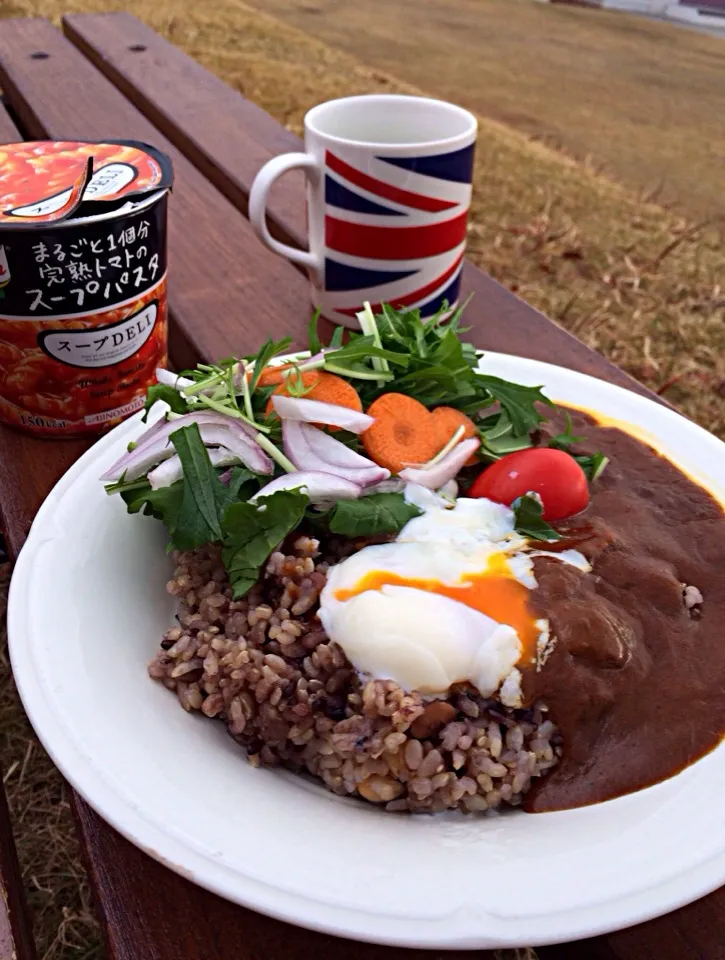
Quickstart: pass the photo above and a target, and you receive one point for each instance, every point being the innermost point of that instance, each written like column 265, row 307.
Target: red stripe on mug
column 409, row 298
column 394, row 243
column 386, row 190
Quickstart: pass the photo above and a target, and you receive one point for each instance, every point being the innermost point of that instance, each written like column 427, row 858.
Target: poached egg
column 445, row 603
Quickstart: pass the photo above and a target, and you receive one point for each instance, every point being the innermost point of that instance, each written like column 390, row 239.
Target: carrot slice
column 446, row 421
column 402, row 432
column 325, row 387
column 309, row 382
column 271, row 375
column 322, row 386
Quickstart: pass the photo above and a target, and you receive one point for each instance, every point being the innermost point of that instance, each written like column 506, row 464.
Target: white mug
column 388, row 193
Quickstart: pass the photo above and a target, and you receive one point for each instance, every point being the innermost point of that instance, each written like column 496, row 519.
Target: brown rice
column 287, row 694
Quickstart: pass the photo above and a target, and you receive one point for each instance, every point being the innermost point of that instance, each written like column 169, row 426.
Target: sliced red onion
column 313, row 411
column 317, row 485
column 449, row 491
column 309, row 362
column 151, row 449
column 339, row 455
column 163, row 429
column 154, row 430
column 202, row 416
column 425, row 499
column 443, row 471
column 154, row 446
column 240, row 375
column 169, row 379
column 394, row 485
column 136, row 463
column 171, row 470
column 299, row 360
column 311, row 449
column 243, row 446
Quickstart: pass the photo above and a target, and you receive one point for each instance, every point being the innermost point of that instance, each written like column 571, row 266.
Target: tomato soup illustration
column 83, row 315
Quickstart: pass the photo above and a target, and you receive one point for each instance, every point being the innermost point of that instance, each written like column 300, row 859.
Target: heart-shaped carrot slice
column 403, row 432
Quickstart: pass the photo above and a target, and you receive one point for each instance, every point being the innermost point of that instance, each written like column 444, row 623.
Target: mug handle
column 258, row 204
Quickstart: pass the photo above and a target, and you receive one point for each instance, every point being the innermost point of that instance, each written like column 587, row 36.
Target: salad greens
column 161, row 391
column 204, row 495
column 395, row 350
column 192, row 509
column 426, row 359
column 380, row 513
column 253, row 530
column 566, row 439
column 529, row 521
column 593, row 464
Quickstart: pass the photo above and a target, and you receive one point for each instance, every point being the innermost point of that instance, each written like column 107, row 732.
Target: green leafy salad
column 355, row 438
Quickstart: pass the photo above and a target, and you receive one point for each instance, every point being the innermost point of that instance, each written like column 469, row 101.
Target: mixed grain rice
column 265, row 667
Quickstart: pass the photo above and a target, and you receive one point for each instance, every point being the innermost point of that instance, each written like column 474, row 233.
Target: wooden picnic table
column 110, row 76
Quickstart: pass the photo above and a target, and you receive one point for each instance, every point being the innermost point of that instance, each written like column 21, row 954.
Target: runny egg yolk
column 494, row 591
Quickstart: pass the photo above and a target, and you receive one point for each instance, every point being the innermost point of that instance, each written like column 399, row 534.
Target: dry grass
column 637, row 281
column 633, row 279
column 644, row 99
column 55, row 883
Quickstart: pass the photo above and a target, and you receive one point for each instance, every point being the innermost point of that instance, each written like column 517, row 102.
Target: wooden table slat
column 224, row 281
column 187, row 102
column 16, row 939
column 9, row 133
column 211, row 123
column 29, row 467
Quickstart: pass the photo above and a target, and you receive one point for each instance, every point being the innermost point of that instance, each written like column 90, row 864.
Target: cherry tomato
column 554, row 475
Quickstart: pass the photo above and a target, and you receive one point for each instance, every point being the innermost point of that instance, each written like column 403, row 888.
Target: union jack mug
column 388, row 193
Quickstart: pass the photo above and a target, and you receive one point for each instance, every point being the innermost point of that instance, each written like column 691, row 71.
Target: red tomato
column 554, row 475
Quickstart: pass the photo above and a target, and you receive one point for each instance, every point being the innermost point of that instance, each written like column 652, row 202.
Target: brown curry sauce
column 636, row 681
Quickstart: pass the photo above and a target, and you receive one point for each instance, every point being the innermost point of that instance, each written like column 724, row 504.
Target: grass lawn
column 640, row 282
column 641, row 99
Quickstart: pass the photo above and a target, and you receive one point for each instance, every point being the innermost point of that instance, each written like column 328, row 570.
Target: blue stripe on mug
column 456, row 166
column 339, row 196
column 450, row 294
column 340, row 276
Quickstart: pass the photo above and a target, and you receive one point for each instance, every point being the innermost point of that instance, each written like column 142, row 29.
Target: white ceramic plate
column 87, row 610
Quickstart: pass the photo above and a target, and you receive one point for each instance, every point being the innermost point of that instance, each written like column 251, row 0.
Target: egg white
column 424, row 640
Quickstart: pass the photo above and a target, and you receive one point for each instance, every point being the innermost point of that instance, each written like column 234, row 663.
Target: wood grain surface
column 16, row 941
column 227, row 288
column 212, row 124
